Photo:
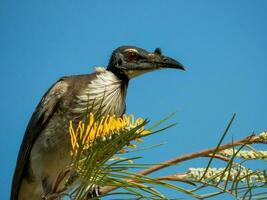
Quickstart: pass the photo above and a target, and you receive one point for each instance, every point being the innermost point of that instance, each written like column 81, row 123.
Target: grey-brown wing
column 39, row 119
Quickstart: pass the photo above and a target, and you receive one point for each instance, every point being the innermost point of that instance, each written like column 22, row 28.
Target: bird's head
column 129, row 61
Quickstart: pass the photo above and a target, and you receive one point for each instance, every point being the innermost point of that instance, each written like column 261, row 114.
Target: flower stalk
column 238, row 172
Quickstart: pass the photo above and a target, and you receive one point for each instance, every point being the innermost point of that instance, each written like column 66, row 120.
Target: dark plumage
column 44, row 151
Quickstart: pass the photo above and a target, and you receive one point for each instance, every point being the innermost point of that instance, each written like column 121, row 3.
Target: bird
column 45, row 147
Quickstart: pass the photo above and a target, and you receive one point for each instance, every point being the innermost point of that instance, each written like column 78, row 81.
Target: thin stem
column 247, row 140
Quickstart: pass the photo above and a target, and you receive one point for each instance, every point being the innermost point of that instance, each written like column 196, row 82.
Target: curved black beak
column 168, row 62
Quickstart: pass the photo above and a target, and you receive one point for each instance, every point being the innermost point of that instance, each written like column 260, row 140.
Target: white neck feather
column 106, row 91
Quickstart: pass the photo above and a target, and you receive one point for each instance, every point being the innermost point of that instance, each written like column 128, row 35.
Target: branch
column 221, row 157
column 252, row 139
column 176, row 177
column 182, row 177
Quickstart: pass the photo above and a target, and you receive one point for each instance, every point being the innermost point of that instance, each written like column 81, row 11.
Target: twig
column 221, row 157
column 176, row 177
column 248, row 140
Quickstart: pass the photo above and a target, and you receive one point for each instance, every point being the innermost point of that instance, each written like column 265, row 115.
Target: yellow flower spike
column 120, row 123
column 139, row 121
column 93, row 132
column 116, row 124
column 73, row 136
column 87, row 133
column 113, row 124
column 127, row 120
column 80, row 130
column 99, row 128
column 105, row 125
column 110, row 124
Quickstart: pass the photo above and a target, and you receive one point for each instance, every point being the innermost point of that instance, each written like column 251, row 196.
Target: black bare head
column 127, row 62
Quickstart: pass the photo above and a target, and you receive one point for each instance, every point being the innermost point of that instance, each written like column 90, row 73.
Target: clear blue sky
column 223, row 44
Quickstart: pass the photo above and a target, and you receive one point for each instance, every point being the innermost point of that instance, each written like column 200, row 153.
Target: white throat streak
column 105, row 93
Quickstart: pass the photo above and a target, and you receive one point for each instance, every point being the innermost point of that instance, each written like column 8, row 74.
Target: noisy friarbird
column 45, row 149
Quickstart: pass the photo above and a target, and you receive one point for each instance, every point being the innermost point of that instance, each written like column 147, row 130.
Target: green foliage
column 102, row 165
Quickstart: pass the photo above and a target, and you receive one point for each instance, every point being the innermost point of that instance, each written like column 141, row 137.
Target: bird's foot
column 53, row 196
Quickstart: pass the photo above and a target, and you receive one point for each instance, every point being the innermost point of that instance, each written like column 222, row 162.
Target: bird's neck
column 114, row 77
column 119, row 74
column 105, row 94
column 110, row 91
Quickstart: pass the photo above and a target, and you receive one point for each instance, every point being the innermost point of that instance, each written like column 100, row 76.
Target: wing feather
column 43, row 112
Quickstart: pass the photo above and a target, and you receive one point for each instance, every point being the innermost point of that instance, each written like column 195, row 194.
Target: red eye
column 131, row 56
